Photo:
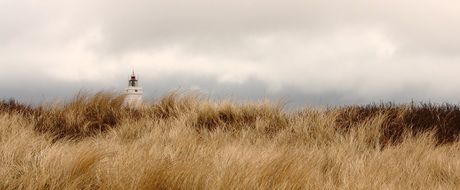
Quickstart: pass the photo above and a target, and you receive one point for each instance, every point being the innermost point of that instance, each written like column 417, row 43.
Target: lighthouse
column 133, row 93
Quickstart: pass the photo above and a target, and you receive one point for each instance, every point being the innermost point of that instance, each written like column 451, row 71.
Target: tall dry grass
column 186, row 142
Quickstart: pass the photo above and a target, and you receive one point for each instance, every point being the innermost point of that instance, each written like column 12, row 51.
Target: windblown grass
column 186, row 142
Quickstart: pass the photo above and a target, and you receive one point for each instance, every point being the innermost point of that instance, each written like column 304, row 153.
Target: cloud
column 325, row 52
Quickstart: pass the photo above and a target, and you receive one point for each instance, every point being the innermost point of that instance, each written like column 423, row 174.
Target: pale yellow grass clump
column 183, row 142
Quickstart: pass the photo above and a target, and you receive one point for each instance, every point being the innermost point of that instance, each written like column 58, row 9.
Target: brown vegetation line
column 183, row 142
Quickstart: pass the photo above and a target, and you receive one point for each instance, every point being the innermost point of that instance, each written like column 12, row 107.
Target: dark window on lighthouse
column 131, row 83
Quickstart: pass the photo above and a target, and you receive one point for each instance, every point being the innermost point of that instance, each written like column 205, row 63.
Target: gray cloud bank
column 307, row 52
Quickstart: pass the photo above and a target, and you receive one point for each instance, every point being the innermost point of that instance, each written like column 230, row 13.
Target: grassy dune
column 185, row 142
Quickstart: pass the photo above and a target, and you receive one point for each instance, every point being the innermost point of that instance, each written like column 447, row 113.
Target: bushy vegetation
column 182, row 141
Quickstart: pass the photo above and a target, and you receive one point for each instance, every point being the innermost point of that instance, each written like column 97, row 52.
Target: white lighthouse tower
column 133, row 93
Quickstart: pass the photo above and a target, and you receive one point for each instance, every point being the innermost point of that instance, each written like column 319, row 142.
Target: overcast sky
column 304, row 51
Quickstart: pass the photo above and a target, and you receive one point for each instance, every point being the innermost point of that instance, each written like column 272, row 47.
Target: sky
column 305, row 52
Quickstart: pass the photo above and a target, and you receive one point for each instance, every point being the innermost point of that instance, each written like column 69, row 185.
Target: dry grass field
column 182, row 141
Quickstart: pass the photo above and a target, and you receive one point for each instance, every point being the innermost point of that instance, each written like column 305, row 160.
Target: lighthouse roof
column 133, row 76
